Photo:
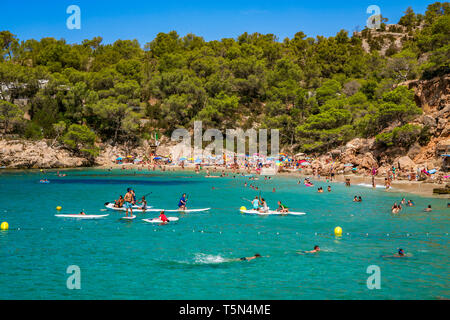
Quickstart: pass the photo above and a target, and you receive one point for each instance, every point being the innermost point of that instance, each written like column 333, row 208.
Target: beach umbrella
column 305, row 163
column 182, row 159
column 157, row 158
column 119, row 158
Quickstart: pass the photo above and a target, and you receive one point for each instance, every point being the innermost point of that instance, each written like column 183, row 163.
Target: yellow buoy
column 338, row 231
column 4, row 226
column 243, row 208
column 58, row 208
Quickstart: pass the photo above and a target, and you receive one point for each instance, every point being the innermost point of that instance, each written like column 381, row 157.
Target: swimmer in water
column 400, row 254
column 428, row 209
column 315, row 250
column 355, row 199
column 410, row 203
column 257, row 255
column 329, row 188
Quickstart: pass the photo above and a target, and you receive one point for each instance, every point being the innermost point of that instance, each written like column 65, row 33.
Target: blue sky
column 143, row 19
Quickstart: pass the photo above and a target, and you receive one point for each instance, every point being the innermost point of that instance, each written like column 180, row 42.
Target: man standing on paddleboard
column 128, row 201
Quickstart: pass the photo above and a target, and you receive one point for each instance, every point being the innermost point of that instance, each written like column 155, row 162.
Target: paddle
column 246, row 199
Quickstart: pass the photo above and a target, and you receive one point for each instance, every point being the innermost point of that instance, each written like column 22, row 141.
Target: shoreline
column 420, row 188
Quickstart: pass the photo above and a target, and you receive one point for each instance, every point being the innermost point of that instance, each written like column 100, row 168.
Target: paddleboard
column 110, row 206
column 188, row 210
column 128, row 218
column 158, row 220
column 81, row 216
column 272, row 213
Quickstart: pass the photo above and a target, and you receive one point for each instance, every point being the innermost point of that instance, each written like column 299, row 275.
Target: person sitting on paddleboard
column 264, row 207
column 182, row 202
column 255, row 203
column 163, row 217
column 82, row 213
column 282, row 207
column 128, row 201
column 119, row 202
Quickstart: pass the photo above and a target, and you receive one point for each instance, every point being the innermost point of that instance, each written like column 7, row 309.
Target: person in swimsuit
column 128, row 201
column 400, row 254
column 182, row 202
column 143, row 203
column 249, row 258
column 315, row 250
column 82, row 213
column 163, row 217
column 119, row 202
column 282, row 207
column 255, row 203
column 264, row 207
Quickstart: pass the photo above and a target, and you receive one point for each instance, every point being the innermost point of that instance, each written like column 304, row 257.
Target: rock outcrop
column 20, row 154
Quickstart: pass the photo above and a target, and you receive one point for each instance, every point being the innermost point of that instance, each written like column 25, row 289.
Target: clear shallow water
column 191, row 259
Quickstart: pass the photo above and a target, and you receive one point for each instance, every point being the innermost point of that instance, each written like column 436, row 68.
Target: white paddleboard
column 136, row 206
column 158, row 220
column 188, row 210
column 128, row 218
column 110, row 206
column 272, row 213
column 81, row 216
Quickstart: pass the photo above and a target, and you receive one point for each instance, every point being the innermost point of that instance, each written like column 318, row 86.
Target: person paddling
column 143, row 204
column 182, row 202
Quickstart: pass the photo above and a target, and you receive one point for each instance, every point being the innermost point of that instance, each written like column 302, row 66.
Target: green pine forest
column 320, row 92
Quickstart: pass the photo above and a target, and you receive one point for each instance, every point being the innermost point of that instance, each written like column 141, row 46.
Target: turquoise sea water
column 190, row 259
